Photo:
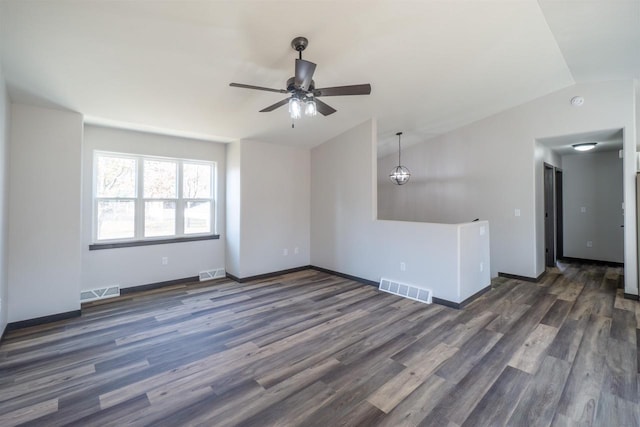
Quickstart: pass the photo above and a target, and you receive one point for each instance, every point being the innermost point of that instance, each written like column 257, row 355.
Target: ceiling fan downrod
column 299, row 44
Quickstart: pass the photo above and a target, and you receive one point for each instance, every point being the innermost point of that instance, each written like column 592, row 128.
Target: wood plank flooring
column 312, row 349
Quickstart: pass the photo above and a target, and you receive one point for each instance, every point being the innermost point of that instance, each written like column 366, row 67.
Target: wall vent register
column 100, row 293
column 212, row 274
column 406, row 291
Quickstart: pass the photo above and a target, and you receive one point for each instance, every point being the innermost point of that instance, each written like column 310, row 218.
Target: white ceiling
column 433, row 65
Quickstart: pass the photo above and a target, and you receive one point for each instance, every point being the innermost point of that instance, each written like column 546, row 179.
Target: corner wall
column 141, row 265
column 5, row 107
column 593, row 181
column 44, row 212
column 490, row 168
column 234, row 210
column 346, row 236
column 269, row 201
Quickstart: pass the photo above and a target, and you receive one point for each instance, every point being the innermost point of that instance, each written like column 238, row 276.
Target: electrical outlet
column 285, row 252
column 589, row 244
column 481, row 267
column 403, row 266
column 517, row 212
column 165, row 260
column 296, row 251
column 583, row 209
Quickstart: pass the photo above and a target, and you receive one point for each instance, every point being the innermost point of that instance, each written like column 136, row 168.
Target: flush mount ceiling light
column 400, row 174
column 585, row 146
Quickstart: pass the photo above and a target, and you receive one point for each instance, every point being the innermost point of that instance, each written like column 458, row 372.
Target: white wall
column 346, row 237
column 269, row 201
column 141, row 265
column 275, row 208
column 473, row 258
column 232, row 235
column 44, row 212
column 593, row 181
column 547, row 155
column 490, row 168
column 637, row 112
column 4, row 206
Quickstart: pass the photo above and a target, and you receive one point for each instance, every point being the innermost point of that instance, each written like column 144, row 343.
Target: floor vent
column 101, row 293
column 404, row 290
column 212, row 274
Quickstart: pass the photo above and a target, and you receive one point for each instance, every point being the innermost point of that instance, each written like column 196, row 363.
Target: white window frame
column 139, row 199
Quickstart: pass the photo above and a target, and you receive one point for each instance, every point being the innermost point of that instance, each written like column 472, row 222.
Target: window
column 140, row 198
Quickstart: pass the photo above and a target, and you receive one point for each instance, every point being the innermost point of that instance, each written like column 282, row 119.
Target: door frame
column 549, row 215
column 553, row 214
column 558, row 177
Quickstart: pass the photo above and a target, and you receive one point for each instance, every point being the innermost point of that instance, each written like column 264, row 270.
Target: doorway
column 553, row 215
column 581, row 205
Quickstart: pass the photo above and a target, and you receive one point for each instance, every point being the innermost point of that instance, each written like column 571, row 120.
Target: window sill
column 97, row 246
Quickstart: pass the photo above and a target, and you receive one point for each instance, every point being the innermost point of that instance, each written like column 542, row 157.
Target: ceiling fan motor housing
column 291, row 86
column 299, row 43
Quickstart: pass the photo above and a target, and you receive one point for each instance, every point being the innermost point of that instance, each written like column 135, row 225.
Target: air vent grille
column 212, row 274
column 100, row 293
column 406, row 291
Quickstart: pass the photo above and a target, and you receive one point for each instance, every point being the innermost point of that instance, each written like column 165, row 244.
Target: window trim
column 139, row 200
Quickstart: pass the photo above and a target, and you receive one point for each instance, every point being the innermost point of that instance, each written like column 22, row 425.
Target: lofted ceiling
column 433, row 65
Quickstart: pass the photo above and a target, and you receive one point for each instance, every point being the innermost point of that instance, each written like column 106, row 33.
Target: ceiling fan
column 304, row 95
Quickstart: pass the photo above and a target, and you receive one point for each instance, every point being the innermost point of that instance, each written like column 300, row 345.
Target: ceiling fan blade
column 323, row 108
column 276, row 105
column 257, row 87
column 304, row 73
column 343, row 90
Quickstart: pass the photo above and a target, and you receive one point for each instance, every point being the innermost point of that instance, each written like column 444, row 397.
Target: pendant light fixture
column 400, row 174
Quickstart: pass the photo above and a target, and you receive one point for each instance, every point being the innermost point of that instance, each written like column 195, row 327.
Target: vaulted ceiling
column 433, row 65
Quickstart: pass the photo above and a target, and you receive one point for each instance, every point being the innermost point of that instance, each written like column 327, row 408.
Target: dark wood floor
column 313, row 349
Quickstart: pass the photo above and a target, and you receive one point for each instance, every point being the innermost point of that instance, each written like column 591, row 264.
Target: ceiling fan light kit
column 310, row 108
column 295, row 108
column 301, row 87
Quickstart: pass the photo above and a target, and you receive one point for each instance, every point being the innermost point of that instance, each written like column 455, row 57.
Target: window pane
column 197, row 217
column 159, row 218
column 116, row 219
column 196, row 181
column 159, row 179
column 116, row 177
